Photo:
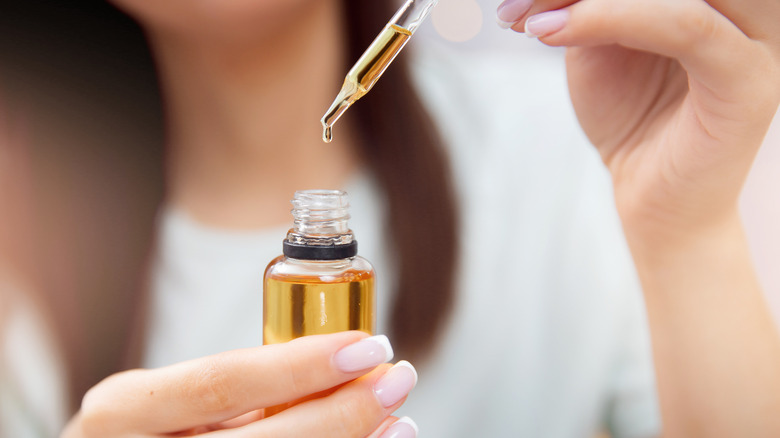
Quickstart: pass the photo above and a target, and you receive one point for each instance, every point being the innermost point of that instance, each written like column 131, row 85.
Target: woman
column 678, row 134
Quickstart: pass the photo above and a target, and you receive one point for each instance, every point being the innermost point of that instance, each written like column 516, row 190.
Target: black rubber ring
column 315, row 252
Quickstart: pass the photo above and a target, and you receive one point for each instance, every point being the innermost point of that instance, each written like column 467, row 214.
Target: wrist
column 666, row 236
column 657, row 222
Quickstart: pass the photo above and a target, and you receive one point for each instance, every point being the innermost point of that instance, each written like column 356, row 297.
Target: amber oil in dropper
column 365, row 73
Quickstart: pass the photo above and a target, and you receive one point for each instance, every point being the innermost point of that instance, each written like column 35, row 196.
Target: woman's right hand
column 227, row 392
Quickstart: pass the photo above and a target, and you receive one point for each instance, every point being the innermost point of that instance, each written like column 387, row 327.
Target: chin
column 217, row 19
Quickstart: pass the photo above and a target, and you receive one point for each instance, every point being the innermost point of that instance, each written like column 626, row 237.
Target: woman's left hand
column 676, row 95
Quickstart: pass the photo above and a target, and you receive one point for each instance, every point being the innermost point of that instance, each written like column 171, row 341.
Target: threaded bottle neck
column 320, row 212
column 320, row 230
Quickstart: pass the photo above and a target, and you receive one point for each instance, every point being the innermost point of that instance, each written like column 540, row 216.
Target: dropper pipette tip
column 343, row 101
column 327, row 132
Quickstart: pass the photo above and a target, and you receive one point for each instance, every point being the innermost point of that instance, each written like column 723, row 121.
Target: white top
column 32, row 391
column 548, row 335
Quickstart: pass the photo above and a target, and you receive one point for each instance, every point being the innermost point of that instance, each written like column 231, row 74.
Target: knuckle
column 98, row 416
column 697, row 23
column 344, row 421
column 705, row 24
column 211, row 389
column 93, row 426
column 300, row 379
column 353, row 415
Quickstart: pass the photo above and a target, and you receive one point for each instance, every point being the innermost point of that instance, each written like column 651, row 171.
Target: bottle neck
column 320, row 230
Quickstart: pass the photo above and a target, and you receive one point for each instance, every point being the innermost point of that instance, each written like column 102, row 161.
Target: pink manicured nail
column 363, row 354
column 396, row 383
column 511, row 11
column 405, row 427
column 546, row 23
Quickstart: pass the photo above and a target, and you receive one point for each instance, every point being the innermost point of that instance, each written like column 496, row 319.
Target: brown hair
column 402, row 146
column 101, row 176
column 79, row 76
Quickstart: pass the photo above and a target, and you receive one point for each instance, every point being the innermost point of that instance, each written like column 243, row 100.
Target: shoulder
column 514, row 141
column 32, row 384
column 497, row 99
column 508, row 123
column 533, row 190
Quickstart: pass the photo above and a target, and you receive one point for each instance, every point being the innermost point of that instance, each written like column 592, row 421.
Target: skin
column 242, row 103
column 678, row 134
column 223, row 395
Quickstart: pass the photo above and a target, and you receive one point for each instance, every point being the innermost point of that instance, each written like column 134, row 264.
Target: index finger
column 755, row 18
column 220, row 387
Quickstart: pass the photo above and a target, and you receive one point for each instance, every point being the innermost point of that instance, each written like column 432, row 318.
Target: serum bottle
column 319, row 285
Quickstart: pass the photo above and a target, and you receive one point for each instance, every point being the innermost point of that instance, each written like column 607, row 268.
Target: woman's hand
column 355, row 393
column 677, row 96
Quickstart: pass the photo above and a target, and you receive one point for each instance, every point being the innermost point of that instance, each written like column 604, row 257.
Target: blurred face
column 216, row 19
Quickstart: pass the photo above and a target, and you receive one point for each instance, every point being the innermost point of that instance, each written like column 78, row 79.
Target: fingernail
column 396, row 383
column 363, row 354
column 546, row 23
column 405, row 427
column 511, row 11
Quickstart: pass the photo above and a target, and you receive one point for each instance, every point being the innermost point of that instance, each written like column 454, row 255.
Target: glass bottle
column 319, row 285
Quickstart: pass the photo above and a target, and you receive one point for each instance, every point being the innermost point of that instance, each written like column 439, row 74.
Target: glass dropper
column 375, row 60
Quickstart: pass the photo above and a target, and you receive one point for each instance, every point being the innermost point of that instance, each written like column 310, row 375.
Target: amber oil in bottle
column 319, row 285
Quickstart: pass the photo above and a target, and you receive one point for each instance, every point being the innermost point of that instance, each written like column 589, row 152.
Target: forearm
column 716, row 349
